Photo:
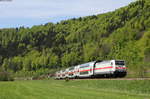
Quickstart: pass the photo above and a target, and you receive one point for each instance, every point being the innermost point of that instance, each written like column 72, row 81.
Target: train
column 99, row 68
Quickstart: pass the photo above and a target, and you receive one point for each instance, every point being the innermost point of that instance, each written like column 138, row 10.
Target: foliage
column 5, row 76
column 121, row 34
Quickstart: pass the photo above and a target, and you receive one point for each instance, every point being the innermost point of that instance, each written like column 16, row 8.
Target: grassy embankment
column 75, row 89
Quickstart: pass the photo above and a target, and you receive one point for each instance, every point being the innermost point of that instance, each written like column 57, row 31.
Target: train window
column 111, row 63
column 70, row 74
column 119, row 62
column 83, row 73
column 71, row 68
column 63, row 70
column 84, row 66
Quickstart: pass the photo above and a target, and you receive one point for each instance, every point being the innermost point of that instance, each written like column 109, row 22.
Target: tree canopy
column 121, row 34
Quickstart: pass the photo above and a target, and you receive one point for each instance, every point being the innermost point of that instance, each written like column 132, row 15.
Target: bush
column 5, row 76
column 67, row 79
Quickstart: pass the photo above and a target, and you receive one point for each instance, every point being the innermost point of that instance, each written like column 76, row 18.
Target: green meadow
column 75, row 89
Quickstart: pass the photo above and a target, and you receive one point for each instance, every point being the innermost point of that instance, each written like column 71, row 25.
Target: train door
column 112, row 64
column 94, row 66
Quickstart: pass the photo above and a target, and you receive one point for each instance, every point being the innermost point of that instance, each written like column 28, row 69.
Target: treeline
column 121, row 34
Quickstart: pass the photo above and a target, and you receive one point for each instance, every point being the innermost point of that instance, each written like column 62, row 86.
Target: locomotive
column 106, row 68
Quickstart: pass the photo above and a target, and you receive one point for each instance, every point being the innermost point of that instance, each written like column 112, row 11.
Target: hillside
column 121, row 34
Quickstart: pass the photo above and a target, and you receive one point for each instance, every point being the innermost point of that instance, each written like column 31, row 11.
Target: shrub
column 5, row 76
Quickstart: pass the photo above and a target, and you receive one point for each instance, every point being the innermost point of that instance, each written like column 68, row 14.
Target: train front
column 120, row 68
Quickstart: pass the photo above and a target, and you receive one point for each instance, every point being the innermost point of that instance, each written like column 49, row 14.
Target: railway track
column 113, row 79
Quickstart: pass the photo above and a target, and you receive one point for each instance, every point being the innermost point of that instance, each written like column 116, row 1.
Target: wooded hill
column 122, row 34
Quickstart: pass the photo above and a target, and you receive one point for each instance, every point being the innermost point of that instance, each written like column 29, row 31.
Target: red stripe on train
column 98, row 69
column 95, row 69
column 85, row 70
column 103, row 68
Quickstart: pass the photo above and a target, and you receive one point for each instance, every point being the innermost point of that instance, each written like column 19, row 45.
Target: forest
column 121, row 34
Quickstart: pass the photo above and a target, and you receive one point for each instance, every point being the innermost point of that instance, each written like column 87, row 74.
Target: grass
column 75, row 89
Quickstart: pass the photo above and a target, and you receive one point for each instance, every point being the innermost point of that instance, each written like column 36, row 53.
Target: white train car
column 85, row 70
column 114, row 68
column 109, row 68
column 62, row 74
column 58, row 75
column 71, row 72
